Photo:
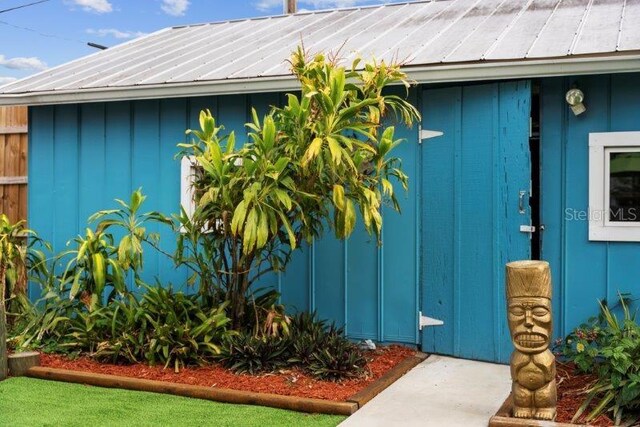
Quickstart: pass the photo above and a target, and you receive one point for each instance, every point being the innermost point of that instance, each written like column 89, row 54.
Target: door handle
column 521, row 208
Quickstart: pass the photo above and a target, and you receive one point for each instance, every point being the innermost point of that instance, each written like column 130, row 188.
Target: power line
column 23, row 6
column 55, row 36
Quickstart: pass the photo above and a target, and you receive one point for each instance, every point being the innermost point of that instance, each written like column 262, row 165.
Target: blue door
column 475, row 198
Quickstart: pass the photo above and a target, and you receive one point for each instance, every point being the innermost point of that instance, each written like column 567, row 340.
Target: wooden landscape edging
column 293, row 403
column 391, row 376
column 503, row 418
column 199, row 392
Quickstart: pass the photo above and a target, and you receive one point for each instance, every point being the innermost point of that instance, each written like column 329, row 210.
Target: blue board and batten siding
column 583, row 271
column 84, row 156
column 444, row 254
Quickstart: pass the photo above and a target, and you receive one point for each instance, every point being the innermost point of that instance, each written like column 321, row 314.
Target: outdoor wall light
column 575, row 99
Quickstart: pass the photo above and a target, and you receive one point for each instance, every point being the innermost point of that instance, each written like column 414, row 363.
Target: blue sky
column 56, row 31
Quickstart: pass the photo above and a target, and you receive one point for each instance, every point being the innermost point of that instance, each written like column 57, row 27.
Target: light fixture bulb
column 575, row 99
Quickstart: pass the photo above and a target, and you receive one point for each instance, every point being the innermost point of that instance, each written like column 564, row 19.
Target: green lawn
column 30, row 402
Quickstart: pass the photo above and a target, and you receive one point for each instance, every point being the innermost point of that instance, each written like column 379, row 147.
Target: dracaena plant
column 319, row 160
column 99, row 262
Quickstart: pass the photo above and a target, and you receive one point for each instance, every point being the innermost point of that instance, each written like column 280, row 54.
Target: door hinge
column 427, row 134
column 428, row 321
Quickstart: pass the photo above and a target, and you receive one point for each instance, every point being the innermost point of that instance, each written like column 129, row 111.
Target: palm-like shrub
column 13, row 274
column 316, row 161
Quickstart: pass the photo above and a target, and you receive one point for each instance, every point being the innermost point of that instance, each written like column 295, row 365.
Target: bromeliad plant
column 320, row 159
column 312, row 345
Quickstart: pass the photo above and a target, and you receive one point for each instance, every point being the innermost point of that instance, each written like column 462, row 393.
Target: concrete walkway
column 440, row 392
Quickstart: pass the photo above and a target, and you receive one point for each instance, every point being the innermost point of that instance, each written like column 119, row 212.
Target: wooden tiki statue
column 533, row 366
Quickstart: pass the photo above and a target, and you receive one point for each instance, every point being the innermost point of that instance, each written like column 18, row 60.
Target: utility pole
column 290, row 6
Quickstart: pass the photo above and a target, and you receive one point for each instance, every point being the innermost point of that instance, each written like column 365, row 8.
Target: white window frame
column 187, row 175
column 601, row 144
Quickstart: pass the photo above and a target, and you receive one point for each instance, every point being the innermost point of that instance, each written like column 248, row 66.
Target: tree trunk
column 20, row 363
column 238, row 302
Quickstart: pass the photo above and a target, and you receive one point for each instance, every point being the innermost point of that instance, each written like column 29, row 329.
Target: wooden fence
column 13, row 162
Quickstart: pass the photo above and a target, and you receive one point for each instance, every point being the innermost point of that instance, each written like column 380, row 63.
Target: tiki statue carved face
column 529, row 306
column 530, row 323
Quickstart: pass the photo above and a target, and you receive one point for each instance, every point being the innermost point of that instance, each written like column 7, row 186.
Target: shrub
column 13, row 258
column 181, row 330
column 164, row 327
column 44, row 324
column 610, row 348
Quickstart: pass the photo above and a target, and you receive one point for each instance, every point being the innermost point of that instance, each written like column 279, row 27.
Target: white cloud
column 175, row 7
column 267, row 5
column 7, row 80
column 117, row 34
column 97, row 6
column 23, row 63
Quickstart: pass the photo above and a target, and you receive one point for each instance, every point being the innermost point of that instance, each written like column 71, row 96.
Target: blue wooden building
column 516, row 173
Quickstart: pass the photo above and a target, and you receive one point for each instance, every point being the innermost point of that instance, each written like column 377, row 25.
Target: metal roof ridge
column 308, row 12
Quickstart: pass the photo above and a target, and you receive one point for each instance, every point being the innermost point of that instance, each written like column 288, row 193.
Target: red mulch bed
column 572, row 387
column 292, row 382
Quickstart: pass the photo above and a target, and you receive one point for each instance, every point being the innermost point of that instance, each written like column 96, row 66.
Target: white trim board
column 600, row 228
column 487, row 70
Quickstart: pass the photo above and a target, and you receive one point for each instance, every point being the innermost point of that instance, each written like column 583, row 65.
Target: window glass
column 624, row 186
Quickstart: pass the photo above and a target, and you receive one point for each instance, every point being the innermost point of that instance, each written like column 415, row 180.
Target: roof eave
column 440, row 73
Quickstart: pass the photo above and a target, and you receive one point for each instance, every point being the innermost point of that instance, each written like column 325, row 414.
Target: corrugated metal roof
column 418, row 34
